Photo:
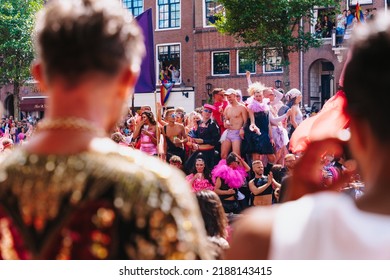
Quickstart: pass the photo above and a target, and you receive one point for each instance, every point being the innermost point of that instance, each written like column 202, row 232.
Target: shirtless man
column 174, row 135
column 235, row 116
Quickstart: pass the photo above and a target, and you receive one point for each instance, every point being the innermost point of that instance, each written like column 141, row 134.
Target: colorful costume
column 253, row 142
column 217, row 115
column 166, row 87
column 200, row 184
column 230, row 179
column 210, row 135
column 147, row 146
column 96, row 205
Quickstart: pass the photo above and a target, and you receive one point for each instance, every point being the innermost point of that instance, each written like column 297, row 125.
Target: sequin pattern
column 98, row 206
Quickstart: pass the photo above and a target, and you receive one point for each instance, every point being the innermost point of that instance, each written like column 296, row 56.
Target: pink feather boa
column 235, row 178
column 256, row 106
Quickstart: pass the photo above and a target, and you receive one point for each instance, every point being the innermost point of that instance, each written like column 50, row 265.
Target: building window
column 168, row 14
column 324, row 19
column 136, row 7
column 169, row 59
column 221, row 63
column 245, row 63
column 272, row 61
column 211, row 8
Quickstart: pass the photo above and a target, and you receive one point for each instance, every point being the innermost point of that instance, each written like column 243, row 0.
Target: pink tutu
column 235, row 178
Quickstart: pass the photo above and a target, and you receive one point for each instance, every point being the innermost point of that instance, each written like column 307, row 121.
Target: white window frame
column 204, row 19
column 238, row 64
column 212, row 63
column 314, row 20
column 143, row 7
column 265, row 64
column 169, row 28
column 158, row 64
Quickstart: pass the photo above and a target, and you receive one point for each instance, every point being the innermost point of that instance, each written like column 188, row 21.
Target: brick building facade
column 184, row 37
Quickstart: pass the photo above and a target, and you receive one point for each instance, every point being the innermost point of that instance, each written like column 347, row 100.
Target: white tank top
column 298, row 116
column 328, row 226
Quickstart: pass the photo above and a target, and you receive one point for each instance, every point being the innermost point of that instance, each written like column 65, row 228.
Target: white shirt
column 328, row 226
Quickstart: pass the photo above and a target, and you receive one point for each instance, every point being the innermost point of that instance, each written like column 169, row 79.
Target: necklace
column 70, row 123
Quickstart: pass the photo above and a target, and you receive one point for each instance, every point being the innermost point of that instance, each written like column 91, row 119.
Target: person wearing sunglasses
column 71, row 192
column 174, row 135
column 220, row 103
column 204, row 137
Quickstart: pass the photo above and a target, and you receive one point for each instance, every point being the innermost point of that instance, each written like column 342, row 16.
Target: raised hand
column 307, row 174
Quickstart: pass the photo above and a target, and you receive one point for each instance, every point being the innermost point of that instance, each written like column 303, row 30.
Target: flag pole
column 132, row 104
column 157, row 126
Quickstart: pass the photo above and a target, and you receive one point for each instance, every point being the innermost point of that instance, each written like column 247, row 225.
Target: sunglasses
column 207, row 110
column 173, row 115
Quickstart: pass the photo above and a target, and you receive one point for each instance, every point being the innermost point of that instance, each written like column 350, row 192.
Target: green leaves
column 16, row 25
column 16, row 48
column 270, row 23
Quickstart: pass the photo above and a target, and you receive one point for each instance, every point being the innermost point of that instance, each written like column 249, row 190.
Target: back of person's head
column 78, row 37
column 291, row 96
column 213, row 213
column 118, row 137
column 217, row 90
column 231, row 158
column 175, row 159
column 367, row 82
column 7, row 143
column 277, row 172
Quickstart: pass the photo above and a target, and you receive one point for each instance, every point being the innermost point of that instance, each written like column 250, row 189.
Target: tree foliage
column 271, row 24
column 16, row 50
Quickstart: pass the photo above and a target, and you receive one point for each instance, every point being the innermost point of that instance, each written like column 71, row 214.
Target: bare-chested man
column 175, row 136
column 235, row 116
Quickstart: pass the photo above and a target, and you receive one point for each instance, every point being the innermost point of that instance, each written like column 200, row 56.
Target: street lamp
column 183, row 87
column 278, row 83
column 208, row 88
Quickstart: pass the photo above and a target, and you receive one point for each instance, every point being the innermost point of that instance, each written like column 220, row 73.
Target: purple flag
column 147, row 78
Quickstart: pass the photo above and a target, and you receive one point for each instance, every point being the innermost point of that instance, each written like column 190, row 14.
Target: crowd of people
column 343, row 24
column 218, row 182
column 238, row 149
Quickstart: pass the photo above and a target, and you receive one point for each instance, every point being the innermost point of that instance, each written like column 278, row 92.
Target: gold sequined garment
column 117, row 205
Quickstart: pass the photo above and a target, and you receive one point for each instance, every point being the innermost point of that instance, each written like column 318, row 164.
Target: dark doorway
column 9, row 105
column 325, row 88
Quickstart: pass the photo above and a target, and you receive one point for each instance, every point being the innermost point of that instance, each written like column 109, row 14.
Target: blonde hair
column 255, row 162
column 256, row 87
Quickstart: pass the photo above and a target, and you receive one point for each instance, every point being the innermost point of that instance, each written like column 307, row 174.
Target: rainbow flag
column 165, row 89
column 359, row 13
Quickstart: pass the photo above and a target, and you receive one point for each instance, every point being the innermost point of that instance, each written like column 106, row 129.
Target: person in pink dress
column 147, row 131
column 200, row 177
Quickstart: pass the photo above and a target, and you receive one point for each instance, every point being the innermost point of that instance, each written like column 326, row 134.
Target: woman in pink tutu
column 200, row 178
column 228, row 176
